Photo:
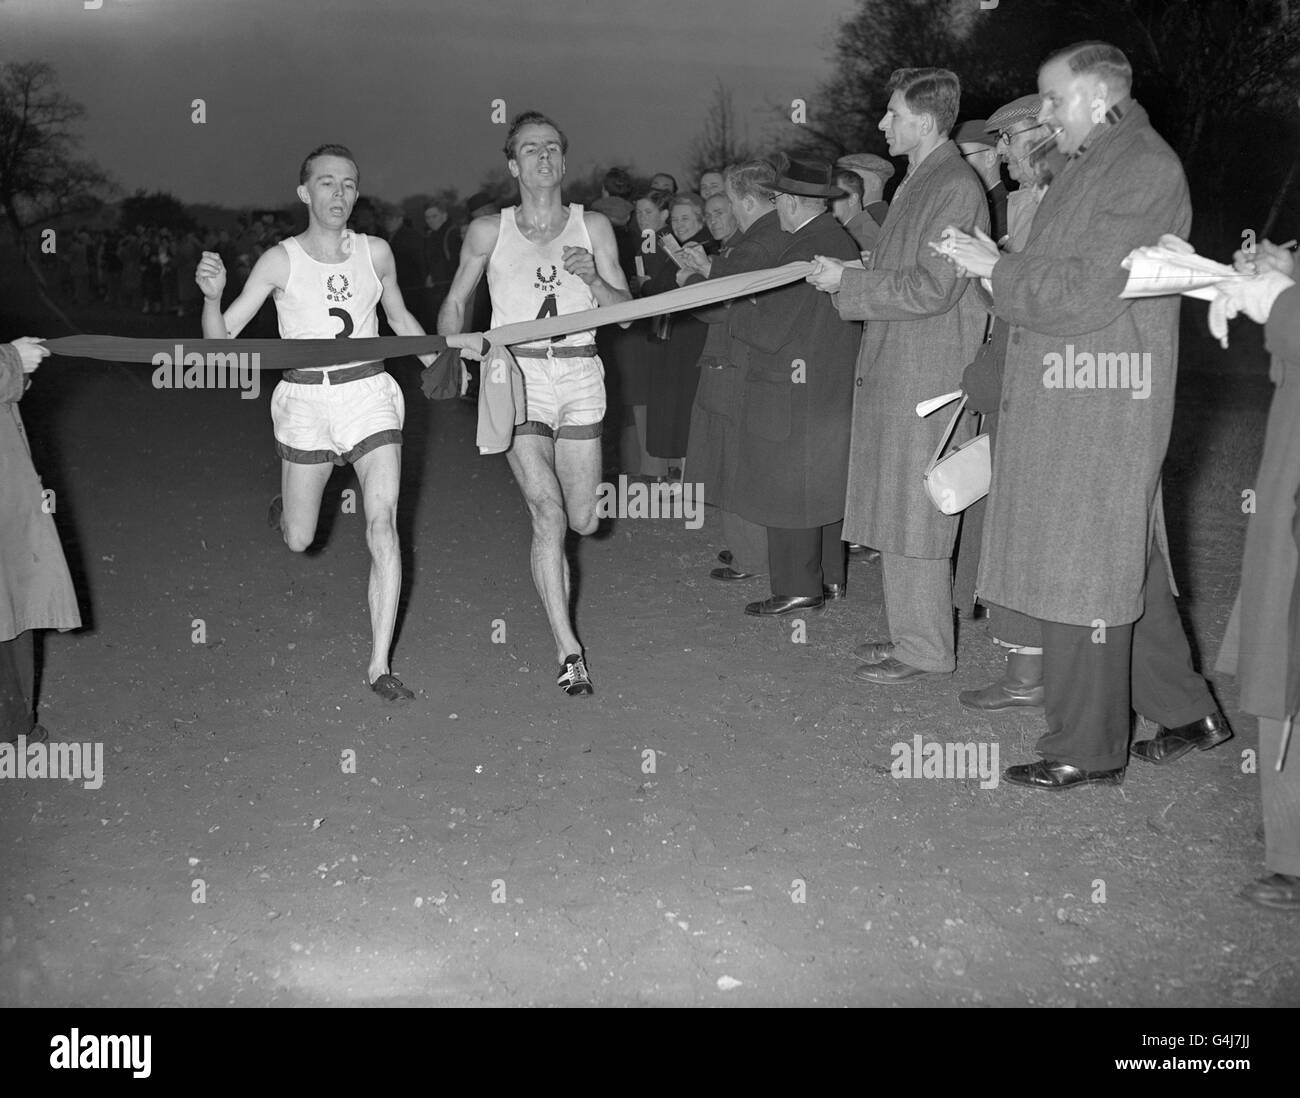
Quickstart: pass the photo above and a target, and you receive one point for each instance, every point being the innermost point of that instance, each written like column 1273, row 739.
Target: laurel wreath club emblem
column 340, row 292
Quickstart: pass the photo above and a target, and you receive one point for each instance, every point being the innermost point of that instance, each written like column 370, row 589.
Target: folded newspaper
column 1156, row 271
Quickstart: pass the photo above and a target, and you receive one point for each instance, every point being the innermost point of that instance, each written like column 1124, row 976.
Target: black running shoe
column 573, row 678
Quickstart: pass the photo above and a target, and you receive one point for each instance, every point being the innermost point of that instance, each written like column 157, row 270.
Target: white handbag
column 956, row 480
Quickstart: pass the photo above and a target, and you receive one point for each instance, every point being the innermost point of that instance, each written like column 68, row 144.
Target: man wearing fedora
column 795, row 403
column 864, row 221
column 926, row 326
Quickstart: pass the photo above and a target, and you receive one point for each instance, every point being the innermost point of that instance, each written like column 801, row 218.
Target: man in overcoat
column 795, row 403
column 1074, row 534
column 924, row 325
column 711, row 450
column 35, row 587
column 1261, row 646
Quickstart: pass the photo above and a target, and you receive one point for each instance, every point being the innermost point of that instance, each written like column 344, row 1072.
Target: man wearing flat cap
column 979, row 151
column 1016, row 132
column 863, row 222
column 795, row 406
column 926, row 325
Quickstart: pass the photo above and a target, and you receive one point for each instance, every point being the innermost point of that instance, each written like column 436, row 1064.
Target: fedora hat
column 807, row 176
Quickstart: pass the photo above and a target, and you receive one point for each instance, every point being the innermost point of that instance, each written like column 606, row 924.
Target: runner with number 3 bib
column 325, row 284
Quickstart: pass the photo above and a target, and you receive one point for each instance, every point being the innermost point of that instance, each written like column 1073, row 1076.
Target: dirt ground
column 502, row 844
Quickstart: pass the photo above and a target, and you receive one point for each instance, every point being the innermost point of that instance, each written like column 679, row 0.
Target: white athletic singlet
column 528, row 281
column 330, row 300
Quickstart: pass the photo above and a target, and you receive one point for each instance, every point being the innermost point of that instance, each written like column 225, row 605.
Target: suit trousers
column 1091, row 686
column 802, row 561
column 918, row 607
column 17, row 683
column 1281, row 796
column 1014, row 629
column 966, row 563
column 747, row 542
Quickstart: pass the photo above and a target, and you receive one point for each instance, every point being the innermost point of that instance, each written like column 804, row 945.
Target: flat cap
column 867, row 162
column 1024, row 109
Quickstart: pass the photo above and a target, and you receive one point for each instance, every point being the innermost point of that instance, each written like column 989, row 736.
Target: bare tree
column 41, row 178
column 719, row 143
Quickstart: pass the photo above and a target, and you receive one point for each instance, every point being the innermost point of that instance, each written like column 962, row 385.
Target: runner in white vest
column 326, row 284
column 544, row 258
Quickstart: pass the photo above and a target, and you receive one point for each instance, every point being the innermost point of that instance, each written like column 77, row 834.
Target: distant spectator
column 663, row 183
column 441, row 254
column 720, row 219
column 674, row 381
column 408, row 256
column 711, row 184
column 79, row 267
column 188, row 253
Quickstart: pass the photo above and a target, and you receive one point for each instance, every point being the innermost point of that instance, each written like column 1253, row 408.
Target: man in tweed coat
column 1075, row 529
column 924, row 324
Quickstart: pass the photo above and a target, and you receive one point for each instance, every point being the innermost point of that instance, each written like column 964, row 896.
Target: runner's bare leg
column 380, row 474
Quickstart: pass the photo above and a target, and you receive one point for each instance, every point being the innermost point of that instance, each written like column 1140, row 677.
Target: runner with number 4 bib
column 544, row 259
column 325, row 284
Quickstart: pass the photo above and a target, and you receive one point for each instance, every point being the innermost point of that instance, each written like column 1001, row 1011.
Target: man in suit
column 862, row 211
column 926, row 325
column 795, row 407
column 979, row 150
column 875, row 172
column 1075, row 532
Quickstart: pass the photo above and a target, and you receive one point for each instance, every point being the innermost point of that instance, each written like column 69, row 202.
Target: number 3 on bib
column 346, row 317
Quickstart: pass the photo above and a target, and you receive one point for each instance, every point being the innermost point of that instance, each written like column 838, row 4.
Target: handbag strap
column 947, row 435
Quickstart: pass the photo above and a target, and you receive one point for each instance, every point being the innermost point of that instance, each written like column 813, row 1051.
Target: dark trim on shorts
column 306, row 457
column 336, row 377
column 390, row 437
column 572, row 431
column 586, row 351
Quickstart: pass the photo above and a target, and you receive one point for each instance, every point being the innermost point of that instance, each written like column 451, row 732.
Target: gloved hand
column 1253, row 296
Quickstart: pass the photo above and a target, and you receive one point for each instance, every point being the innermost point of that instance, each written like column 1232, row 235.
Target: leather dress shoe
column 784, row 604
column 726, row 572
column 833, row 592
column 863, row 552
column 1171, row 744
column 725, row 556
column 1045, row 774
column 892, row 672
column 1279, row 891
column 874, row 651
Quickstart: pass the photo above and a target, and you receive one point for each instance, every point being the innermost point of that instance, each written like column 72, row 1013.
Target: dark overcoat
column 924, row 325
column 1256, row 647
column 35, row 587
column 710, row 454
column 1075, row 500
column 796, row 386
column 673, row 382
